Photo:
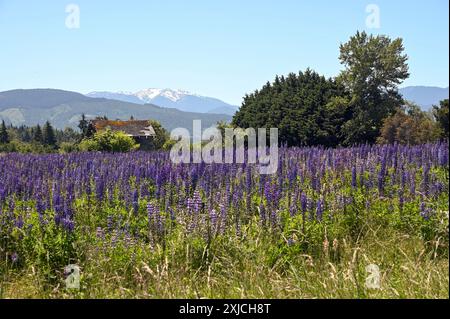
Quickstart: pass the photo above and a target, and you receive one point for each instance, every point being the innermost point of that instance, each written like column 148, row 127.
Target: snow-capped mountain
column 173, row 95
column 179, row 99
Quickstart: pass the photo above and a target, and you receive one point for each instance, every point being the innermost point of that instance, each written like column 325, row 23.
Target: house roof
column 131, row 128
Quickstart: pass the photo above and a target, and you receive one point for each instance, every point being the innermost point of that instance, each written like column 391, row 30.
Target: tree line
column 46, row 139
column 360, row 105
column 36, row 139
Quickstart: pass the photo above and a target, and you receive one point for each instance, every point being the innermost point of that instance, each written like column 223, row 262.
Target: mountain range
column 179, row 99
column 424, row 96
column 64, row 109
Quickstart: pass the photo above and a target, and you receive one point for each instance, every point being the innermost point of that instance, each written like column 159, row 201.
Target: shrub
column 161, row 139
column 409, row 126
column 20, row 147
column 108, row 141
column 67, row 147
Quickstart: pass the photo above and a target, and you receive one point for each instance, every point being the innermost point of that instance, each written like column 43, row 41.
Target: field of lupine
column 139, row 226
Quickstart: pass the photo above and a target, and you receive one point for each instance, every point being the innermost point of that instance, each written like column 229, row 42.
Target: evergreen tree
column 49, row 135
column 26, row 137
column 303, row 107
column 441, row 115
column 4, row 136
column 90, row 131
column 83, row 125
column 37, row 135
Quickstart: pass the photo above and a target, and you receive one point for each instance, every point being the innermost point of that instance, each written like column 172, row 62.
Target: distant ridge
column 64, row 109
column 425, row 96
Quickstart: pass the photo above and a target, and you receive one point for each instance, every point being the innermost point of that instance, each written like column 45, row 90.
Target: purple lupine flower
column 319, row 209
column 401, row 199
column 150, row 211
column 114, row 237
column 274, row 218
column 154, row 216
column 380, row 183
column 197, row 202
column 68, row 224
column 354, row 183
column 100, row 233
column 213, row 217
column 292, row 176
column 99, row 188
column 262, row 213
column 14, row 257
column 304, row 202
column 426, row 179
column 19, row 222
column 425, row 212
column 361, row 177
column 381, row 174
column 172, row 214
column 404, row 179
column 135, row 201
column 292, row 210
column 290, row 241
column 110, row 222
column 437, row 188
column 2, row 193
column 412, row 188
column 248, row 179
column 12, row 205
column 190, row 205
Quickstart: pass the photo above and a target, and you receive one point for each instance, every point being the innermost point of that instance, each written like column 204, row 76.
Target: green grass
column 257, row 264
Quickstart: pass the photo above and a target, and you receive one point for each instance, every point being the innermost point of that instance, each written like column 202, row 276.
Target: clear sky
column 217, row 48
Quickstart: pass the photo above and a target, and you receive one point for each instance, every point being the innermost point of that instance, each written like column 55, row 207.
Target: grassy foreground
column 254, row 266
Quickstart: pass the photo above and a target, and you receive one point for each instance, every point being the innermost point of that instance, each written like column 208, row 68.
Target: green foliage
column 19, row 147
column 67, row 147
column 311, row 110
column 168, row 144
column 86, row 127
column 409, row 125
column 48, row 135
column 68, row 135
column 38, row 136
column 442, row 117
column 4, row 136
column 304, row 108
column 109, row 141
column 374, row 67
column 23, row 139
column 161, row 138
column 83, row 124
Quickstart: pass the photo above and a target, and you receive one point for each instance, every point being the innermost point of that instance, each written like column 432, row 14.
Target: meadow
column 139, row 226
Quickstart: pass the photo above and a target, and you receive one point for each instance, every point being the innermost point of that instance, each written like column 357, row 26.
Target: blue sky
column 217, row 48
